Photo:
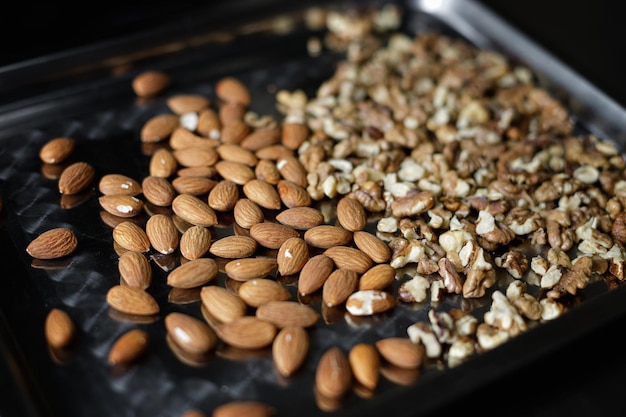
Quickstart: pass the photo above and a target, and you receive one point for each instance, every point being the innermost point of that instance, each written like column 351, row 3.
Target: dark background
column 586, row 378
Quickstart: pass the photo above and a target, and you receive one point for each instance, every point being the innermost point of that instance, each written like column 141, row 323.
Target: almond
column 223, row 196
column 118, row 184
column 233, row 131
column 121, row 205
column 232, row 91
column 206, row 172
column 195, row 242
column 291, row 169
column 193, row 274
column 349, row 258
column 351, row 214
column 193, row 210
column 369, row 302
column 333, row 375
column 209, row 124
column 289, row 349
column 266, row 170
column 193, row 185
column 76, row 177
column 233, row 247
column 371, row 245
column 159, row 128
column 262, row 193
column 401, row 352
column 196, row 156
column 273, row 152
column 150, row 83
column 272, row 235
column 364, row 362
column 189, row 333
column 131, row 236
column 131, row 300
column 250, row 268
column 294, row 134
column 56, row 150
column 247, row 332
column 314, row 273
column 162, row 233
column 260, row 138
column 377, row 277
column 237, row 172
column 287, row 313
column 292, row 194
column 135, row 269
column 303, row 218
column 129, row 347
column 182, row 138
column 222, row 304
column 261, row 290
column 59, row 328
column 158, row 190
column 162, row 163
column 53, row 243
column 235, row 153
column 243, row 409
column 247, row 213
column 187, row 103
column 338, row 286
column 292, row 255
column 327, row 236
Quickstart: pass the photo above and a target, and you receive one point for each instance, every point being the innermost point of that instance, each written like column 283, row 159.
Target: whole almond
column 314, row 273
column 59, row 329
column 364, row 362
column 243, row 409
column 351, row 214
column 189, row 333
column 223, row 196
column 287, row 313
column 231, row 90
column 135, row 269
column 150, row 83
column 371, row 245
column 121, row 205
column 401, row 351
column 57, row 150
column 261, row 138
column 233, row 247
column 291, row 169
column 292, row 255
column 53, row 243
column 193, row 210
column 182, row 138
column 333, row 376
column 193, row 185
column 369, row 302
column 273, row 152
column 233, row 131
column 327, row 236
column 158, row 190
column 222, row 304
column 294, row 134
column 131, row 300
column 209, row 124
column 250, row 268
column 247, row 332
column 289, row 349
column 159, row 128
column 338, row 286
column 272, row 235
column 162, row 163
column 262, row 193
column 76, row 177
column 237, row 172
column 378, row 277
column 118, row 184
column 131, row 236
column 262, row 290
column 162, row 233
column 235, row 153
column 195, row 242
column 196, row 156
column 266, row 170
column 206, row 172
column 192, row 274
column 129, row 347
column 292, row 194
column 302, row 218
column 247, row 213
column 186, row 103
column 349, row 258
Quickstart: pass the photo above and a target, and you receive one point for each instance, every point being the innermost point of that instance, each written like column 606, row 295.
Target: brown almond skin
column 196, row 156
column 235, row 153
column 209, row 124
column 247, row 213
column 378, row 277
column 338, row 286
column 292, row 255
column 292, row 194
column 266, row 170
column 189, row 333
column 401, row 351
column 291, row 169
column 131, row 300
column 327, row 236
column 76, row 177
column 193, row 210
column 195, row 242
column 192, row 274
column 186, row 103
column 243, row 409
column 148, row 84
column 162, row 163
column 121, row 205
column 246, row 269
column 368, row 302
column 52, row 244
column 303, row 218
column 262, row 193
column 237, row 172
column 60, row 330
column 351, row 214
column 129, row 347
column 182, row 138
column 294, row 134
column 272, row 235
column 287, row 313
column 56, row 150
column 232, row 247
column 333, row 376
column 131, row 236
column 365, row 364
column 193, row 185
column 262, row 290
column 233, row 91
column 222, row 304
column 261, row 138
column 118, row 184
column 223, row 196
column 135, row 269
column 371, row 245
column 289, row 349
column 158, row 190
column 314, row 273
column 349, row 258
column 162, row 233
column 247, row 332
column 233, row 131
column 159, row 128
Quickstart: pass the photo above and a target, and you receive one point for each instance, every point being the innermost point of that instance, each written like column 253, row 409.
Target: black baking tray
column 85, row 94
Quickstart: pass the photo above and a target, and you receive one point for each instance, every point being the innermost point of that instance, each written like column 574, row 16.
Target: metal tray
column 85, row 94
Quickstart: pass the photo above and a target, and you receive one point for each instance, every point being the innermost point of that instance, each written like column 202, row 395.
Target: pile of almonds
column 420, row 171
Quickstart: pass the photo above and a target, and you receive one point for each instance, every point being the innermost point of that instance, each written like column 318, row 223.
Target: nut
column 53, row 243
